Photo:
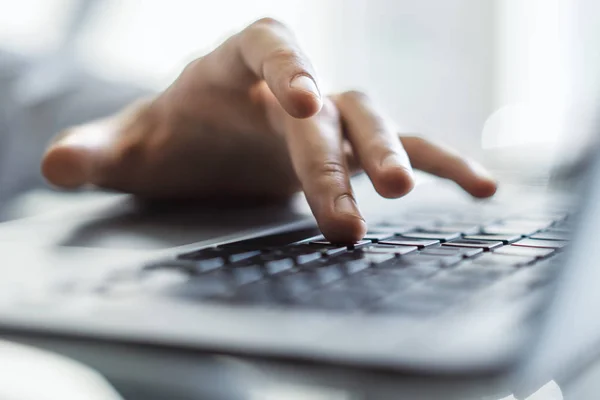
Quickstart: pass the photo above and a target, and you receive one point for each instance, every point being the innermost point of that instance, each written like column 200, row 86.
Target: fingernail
column 305, row 83
column 344, row 204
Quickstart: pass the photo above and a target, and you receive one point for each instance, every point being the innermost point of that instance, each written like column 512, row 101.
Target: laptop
column 441, row 285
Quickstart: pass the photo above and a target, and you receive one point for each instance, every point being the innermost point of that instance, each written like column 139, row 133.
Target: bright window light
column 532, row 73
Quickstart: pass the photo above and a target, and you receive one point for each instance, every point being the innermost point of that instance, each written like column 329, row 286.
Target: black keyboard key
column 326, row 274
column 532, row 223
column 277, row 266
column 355, row 266
column 400, row 241
column 206, row 259
column 331, row 299
column 210, row 285
column 498, row 229
column 419, row 221
column 452, row 281
column 550, row 235
column 363, row 294
column 443, row 260
column 481, row 244
column 475, row 220
column 322, row 242
column 393, row 229
column 375, row 258
column 243, row 276
column 297, row 250
column 293, row 284
column 377, row 236
column 257, row 293
column 204, row 254
column 506, row 239
column 415, row 271
column 328, row 245
column 442, row 237
column 465, row 229
column 524, row 251
column 386, row 281
column 452, row 251
column 427, row 259
column 359, row 244
column 484, row 273
column 318, row 238
column 307, row 258
column 503, row 260
column 386, row 249
column 330, row 251
column 235, row 257
column 209, row 264
column 283, row 291
column 545, row 244
column 183, row 265
column 334, row 251
column 411, row 259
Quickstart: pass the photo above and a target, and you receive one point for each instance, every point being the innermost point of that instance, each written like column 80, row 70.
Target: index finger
column 267, row 50
column 316, row 151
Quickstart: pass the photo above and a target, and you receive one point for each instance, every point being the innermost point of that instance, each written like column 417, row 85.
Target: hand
column 248, row 120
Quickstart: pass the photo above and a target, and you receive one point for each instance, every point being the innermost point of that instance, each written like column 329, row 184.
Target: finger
column 91, row 153
column 315, row 146
column 72, row 160
column 269, row 51
column 376, row 145
column 446, row 163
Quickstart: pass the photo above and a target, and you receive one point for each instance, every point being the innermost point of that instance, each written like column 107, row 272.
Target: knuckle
column 329, row 172
column 192, row 67
column 264, row 27
column 284, row 56
column 269, row 22
column 253, row 33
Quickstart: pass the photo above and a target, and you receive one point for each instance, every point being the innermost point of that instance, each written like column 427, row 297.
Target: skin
column 248, row 120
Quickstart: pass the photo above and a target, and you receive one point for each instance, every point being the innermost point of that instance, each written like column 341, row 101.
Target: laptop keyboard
column 420, row 266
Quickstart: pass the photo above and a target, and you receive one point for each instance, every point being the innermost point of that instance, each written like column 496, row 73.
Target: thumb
column 73, row 159
column 93, row 153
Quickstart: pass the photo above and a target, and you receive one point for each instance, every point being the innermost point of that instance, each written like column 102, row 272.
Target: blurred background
column 440, row 67
column 483, row 76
